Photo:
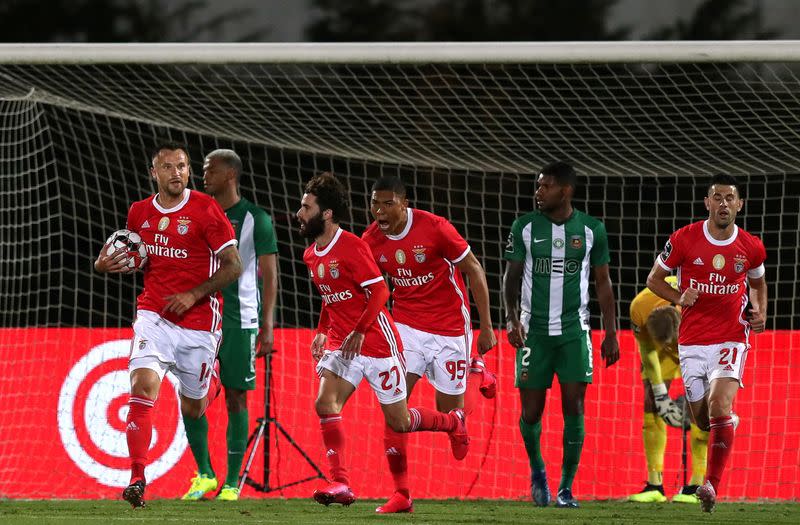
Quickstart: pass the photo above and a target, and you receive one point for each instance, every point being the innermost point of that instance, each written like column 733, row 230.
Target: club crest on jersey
column 558, row 243
column 183, row 225
column 333, row 266
column 400, row 257
column 142, row 344
column 163, row 224
column 321, row 270
column 576, row 242
column 718, row 262
column 738, row 263
column 419, row 253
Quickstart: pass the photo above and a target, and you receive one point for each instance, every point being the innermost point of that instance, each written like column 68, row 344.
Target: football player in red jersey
column 424, row 257
column 717, row 262
column 356, row 339
column 178, row 314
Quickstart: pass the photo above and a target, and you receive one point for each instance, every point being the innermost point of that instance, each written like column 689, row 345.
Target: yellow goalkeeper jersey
column 641, row 306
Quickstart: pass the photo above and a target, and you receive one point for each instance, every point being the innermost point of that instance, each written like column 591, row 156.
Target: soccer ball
column 133, row 243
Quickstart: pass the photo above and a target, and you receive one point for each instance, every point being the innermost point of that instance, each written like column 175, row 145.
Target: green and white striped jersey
column 256, row 236
column 555, row 281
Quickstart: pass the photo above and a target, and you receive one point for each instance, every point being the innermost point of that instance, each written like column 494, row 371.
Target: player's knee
column 719, row 407
column 399, row 424
column 235, row 400
column 145, row 383
column 325, row 406
column 531, row 416
column 192, row 409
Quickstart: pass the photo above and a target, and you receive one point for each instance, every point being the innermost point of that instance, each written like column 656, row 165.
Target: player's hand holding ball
column 123, row 252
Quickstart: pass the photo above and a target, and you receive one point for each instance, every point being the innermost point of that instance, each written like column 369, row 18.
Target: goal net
column 467, row 127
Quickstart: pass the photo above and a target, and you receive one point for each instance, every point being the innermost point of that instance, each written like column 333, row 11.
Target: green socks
column 573, row 444
column 531, row 435
column 197, row 435
column 238, row 423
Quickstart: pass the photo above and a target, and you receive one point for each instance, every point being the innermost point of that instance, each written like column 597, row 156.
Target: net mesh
column 466, row 139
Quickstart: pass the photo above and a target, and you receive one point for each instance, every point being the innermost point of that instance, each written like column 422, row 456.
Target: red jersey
column 428, row 290
column 719, row 271
column 341, row 271
column 182, row 243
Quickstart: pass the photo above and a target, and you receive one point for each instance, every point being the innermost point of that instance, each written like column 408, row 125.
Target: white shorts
column 160, row 345
column 443, row 359
column 701, row 364
column 386, row 375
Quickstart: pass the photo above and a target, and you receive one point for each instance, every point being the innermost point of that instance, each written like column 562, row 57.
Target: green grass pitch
column 166, row 512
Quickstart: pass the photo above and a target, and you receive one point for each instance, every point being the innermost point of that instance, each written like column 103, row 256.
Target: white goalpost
column 466, row 126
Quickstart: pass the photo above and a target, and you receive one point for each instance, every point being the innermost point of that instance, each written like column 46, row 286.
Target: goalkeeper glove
column 669, row 411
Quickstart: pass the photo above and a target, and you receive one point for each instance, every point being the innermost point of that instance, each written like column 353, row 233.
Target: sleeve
column 264, row 234
column 452, row 245
column 759, row 256
column 218, row 231
column 378, row 295
column 671, row 256
column 599, row 255
column 515, row 248
column 131, row 220
column 364, row 269
column 324, row 320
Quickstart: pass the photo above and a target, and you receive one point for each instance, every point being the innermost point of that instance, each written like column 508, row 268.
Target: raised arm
column 472, row 268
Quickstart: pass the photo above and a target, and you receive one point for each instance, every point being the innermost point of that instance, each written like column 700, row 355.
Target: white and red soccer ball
column 132, row 243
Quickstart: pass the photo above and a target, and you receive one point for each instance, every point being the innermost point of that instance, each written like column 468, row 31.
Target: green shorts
column 237, row 357
column 567, row 356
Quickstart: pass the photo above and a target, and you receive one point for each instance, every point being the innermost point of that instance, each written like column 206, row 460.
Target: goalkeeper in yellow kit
column 655, row 324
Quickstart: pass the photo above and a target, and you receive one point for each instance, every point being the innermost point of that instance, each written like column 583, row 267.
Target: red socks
column 720, row 443
column 473, row 392
column 139, row 433
column 333, row 438
column 395, row 444
column 427, row 419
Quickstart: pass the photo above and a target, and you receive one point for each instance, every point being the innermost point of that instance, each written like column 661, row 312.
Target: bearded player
column 356, row 339
column 717, row 262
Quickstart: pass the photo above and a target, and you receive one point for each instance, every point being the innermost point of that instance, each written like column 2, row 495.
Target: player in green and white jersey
column 247, row 322
column 549, row 255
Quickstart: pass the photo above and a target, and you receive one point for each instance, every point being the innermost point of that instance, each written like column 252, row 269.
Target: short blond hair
column 663, row 323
